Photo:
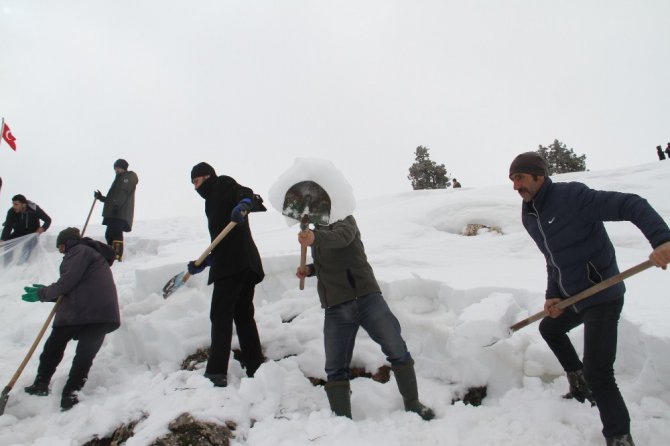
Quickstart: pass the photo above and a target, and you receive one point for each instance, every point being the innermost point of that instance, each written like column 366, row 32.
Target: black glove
column 239, row 211
column 193, row 269
column 98, row 196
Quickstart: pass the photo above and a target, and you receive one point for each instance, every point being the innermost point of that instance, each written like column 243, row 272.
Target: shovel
column 308, row 203
column 181, row 278
column 579, row 296
column 4, row 397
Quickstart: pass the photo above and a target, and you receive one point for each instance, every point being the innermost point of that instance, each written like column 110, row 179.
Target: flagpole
column 2, row 129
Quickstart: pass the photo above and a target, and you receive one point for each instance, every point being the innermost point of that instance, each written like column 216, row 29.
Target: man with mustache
column 566, row 222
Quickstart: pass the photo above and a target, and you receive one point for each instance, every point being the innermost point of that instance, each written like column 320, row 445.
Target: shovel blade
column 172, row 284
column 310, row 199
column 4, row 398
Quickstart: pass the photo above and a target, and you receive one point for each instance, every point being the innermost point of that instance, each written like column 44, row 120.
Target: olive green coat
column 120, row 200
column 340, row 263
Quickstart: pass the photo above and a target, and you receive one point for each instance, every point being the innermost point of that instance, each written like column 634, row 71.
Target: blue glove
column 193, row 269
column 31, row 292
column 239, row 211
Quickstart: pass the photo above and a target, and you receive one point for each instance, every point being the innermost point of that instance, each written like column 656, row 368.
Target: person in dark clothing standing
column 235, row 269
column 23, row 218
column 566, row 222
column 88, row 310
column 351, row 298
column 667, row 150
column 659, row 152
column 119, row 209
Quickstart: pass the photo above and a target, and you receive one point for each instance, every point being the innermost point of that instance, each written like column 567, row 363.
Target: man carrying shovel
column 566, row 222
column 235, row 270
column 351, row 297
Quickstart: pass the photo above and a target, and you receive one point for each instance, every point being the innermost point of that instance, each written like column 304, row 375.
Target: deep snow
column 451, row 293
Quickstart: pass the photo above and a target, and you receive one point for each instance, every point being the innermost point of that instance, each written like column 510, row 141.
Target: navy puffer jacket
column 566, row 222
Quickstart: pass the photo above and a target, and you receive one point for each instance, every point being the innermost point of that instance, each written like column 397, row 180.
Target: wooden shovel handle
column 303, row 263
column 224, row 232
column 584, row 294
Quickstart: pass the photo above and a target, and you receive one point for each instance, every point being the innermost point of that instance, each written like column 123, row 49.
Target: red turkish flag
column 7, row 136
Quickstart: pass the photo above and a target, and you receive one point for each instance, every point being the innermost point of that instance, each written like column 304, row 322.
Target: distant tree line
column 425, row 173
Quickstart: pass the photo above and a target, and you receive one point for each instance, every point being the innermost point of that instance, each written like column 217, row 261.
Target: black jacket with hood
column 86, row 285
column 237, row 251
column 24, row 223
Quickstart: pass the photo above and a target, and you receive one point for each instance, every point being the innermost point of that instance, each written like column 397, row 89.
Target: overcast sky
column 249, row 86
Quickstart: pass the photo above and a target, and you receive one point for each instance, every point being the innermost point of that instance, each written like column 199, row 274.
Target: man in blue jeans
column 350, row 295
column 566, row 222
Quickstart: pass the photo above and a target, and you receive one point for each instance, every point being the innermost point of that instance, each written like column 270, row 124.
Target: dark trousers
column 600, row 341
column 232, row 301
column 90, row 338
column 114, row 230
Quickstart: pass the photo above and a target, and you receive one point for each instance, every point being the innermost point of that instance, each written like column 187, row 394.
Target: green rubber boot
column 339, row 397
column 406, row 379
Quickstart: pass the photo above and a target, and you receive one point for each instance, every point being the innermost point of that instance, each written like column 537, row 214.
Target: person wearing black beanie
column 119, row 209
column 235, row 269
column 566, row 222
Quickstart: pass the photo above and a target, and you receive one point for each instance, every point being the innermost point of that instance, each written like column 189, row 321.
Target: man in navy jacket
column 566, row 222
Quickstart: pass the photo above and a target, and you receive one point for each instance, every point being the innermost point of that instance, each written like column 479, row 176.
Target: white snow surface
column 452, row 294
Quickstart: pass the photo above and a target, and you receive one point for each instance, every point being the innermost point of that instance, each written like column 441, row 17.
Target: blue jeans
column 600, row 341
column 341, row 325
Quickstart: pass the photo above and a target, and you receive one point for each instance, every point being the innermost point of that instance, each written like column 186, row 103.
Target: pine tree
column 560, row 159
column 427, row 174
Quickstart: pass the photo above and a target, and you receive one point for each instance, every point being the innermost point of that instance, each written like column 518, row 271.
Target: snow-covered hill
column 451, row 293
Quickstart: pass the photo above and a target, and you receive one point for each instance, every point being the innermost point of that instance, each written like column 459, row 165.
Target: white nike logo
column 552, row 220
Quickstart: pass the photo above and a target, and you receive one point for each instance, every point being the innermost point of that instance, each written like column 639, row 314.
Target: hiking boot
column 117, row 245
column 218, row 379
column 68, row 400
column 38, row 388
column 579, row 389
column 620, row 440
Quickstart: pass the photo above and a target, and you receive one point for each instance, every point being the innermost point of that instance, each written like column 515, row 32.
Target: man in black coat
column 88, row 310
column 235, row 269
column 23, row 218
column 566, row 222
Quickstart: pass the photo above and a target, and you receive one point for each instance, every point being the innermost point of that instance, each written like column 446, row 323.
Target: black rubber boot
column 620, row 440
column 579, row 390
column 339, row 397
column 406, row 379
column 40, row 387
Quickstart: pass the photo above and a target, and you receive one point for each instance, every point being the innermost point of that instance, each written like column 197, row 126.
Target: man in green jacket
column 351, row 297
column 119, row 209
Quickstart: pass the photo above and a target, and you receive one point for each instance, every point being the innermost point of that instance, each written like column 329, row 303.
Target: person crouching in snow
column 351, row 297
column 88, row 310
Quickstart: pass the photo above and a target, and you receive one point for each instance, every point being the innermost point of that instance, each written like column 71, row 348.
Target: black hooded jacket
column 24, row 223
column 237, row 251
column 87, row 286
